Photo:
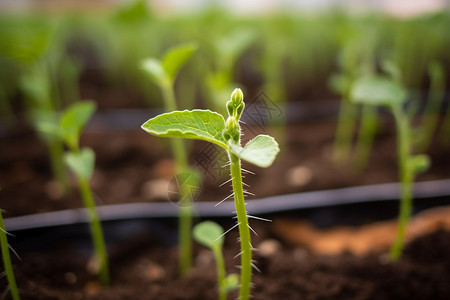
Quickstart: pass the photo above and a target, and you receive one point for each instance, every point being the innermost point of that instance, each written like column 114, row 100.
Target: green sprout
column 211, row 235
column 7, row 260
column 435, row 97
column 163, row 73
column 212, row 127
column 381, row 91
column 81, row 162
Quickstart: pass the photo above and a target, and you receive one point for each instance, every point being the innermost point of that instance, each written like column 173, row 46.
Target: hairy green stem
column 366, row 135
column 406, row 178
column 220, row 266
column 244, row 229
column 7, row 261
column 185, row 220
column 96, row 231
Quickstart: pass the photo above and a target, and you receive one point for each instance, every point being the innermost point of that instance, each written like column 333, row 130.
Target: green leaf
column 133, row 12
column 209, row 234
column 419, row 163
column 155, row 70
column 176, row 57
column 230, row 283
column 47, row 125
column 377, row 91
column 81, row 163
column 74, row 119
column 191, row 124
column 260, row 151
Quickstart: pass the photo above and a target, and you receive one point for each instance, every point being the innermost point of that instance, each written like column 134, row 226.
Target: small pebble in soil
column 154, row 272
column 93, row 265
column 165, row 168
column 155, row 189
column 53, row 190
column 299, row 176
column 204, row 259
column 92, row 288
column 70, row 278
column 268, row 247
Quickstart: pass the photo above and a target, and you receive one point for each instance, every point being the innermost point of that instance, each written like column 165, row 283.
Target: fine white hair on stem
column 234, row 226
column 243, row 183
column 248, row 171
column 237, row 255
column 248, row 193
column 258, row 218
column 227, row 164
column 14, row 251
column 222, row 184
column 255, row 267
column 221, row 201
column 252, row 229
column 6, row 232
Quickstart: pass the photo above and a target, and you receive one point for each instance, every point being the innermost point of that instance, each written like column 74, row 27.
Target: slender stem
column 56, row 151
column 7, row 261
column 220, row 272
column 244, row 229
column 366, row 136
column 96, row 231
column 184, row 229
column 185, row 220
column 406, row 178
column 344, row 131
column 431, row 113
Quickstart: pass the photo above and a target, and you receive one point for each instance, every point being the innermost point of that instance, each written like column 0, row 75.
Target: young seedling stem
column 380, row 91
column 81, row 162
column 211, row 126
column 7, row 260
column 211, row 235
column 164, row 73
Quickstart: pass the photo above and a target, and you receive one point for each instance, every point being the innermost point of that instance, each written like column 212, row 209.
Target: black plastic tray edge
column 262, row 206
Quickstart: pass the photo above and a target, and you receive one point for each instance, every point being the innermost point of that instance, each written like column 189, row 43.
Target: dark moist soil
column 142, row 269
column 133, row 166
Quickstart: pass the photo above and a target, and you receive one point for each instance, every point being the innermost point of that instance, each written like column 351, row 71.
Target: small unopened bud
column 230, row 108
column 237, row 96
column 239, row 110
column 231, row 125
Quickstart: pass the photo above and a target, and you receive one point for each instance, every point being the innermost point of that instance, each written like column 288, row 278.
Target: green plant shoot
column 435, row 97
column 81, row 162
column 212, row 127
column 211, row 235
column 163, row 73
column 7, row 260
column 380, row 91
column 42, row 112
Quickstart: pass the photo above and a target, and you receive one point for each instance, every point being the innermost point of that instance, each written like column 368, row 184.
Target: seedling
column 342, row 84
column 81, row 162
column 380, row 91
column 211, row 235
column 212, row 127
column 42, row 111
column 163, row 73
column 7, row 260
column 435, row 97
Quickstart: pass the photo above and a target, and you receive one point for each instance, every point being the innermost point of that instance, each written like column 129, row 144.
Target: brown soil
column 136, row 167
column 142, row 269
